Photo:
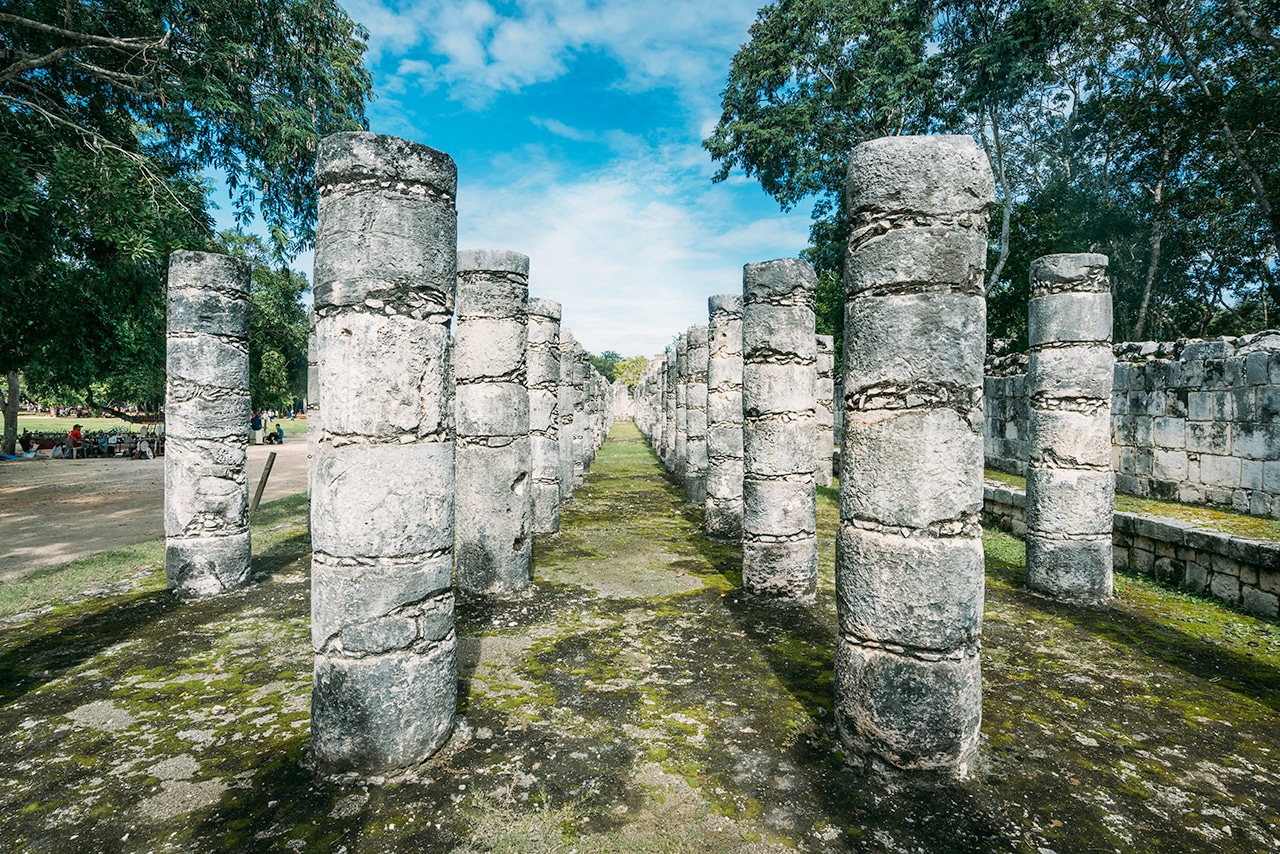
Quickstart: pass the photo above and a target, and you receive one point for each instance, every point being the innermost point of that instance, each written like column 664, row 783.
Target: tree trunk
column 1006, row 203
column 10, row 415
column 1157, row 235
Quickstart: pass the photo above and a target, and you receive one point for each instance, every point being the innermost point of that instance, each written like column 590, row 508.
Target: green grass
column 49, row 424
column 142, row 563
column 1209, row 518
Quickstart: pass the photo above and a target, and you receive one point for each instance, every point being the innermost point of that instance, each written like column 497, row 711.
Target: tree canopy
column 111, row 115
column 1143, row 129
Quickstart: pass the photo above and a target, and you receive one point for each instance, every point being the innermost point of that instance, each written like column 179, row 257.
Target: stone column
column 695, row 469
column 544, row 413
column 1070, row 485
column 206, row 489
column 681, row 453
column 909, row 567
column 825, row 409
column 313, row 397
column 385, row 683
column 724, row 418
column 579, row 437
column 779, row 528
column 670, row 382
column 494, row 490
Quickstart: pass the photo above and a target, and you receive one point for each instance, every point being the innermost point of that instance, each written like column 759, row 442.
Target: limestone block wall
column 1241, row 572
column 1193, row 421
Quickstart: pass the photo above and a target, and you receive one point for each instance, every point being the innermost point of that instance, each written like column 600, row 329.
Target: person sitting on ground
column 279, row 434
column 25, row 441
column 75, row 441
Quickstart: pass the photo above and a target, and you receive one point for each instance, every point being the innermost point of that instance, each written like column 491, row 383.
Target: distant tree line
column 1148, row 130
column 612, row 366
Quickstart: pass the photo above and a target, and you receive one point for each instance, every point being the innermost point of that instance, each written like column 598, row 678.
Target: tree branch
column 88, row 38
column 1260, row 33
column 33, row 62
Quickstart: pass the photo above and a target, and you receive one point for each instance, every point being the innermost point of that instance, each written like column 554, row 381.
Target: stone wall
column 1241, row 572
column 1192, row 421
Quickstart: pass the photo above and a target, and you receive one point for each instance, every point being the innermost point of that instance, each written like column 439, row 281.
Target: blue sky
column 576, row 126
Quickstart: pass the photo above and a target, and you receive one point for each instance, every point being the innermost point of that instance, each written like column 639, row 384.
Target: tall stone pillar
column 313, row 397
column 385, row 682
column 670, row 410
column 909, row 568
column 825, row 410
column 494, row 489
column 206, row 489
column 723, row 518
column 1070, row 484
column 565, row 406
column 581, row 368
column 779, row 528
column 695, row 469
column 681, row 455
column 544, row 413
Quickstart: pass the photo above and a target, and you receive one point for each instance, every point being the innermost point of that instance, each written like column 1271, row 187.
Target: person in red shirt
column 76, row 441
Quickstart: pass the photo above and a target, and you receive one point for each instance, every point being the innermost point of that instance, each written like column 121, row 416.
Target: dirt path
column 53, row 511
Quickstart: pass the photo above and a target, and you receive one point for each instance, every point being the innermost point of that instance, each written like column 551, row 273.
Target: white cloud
column 632, row 250
column 484, row 48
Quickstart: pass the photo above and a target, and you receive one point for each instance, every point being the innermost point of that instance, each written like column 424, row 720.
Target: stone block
column 1220, row 471
column 1075, row 568
column 915, row 714
column 935, row 174
column 903, row 257
column 1169, row 433
column 1225, row 587
column 776, row 447
column 348, row 593
column 1250, row 474
column 1068, row 318
column 910, row 467
column 778, row 508
column 385, row 711
column 1073, row 371
column 947, row 349
column 382, row 376
column 1209, row 406
column 1064, row 437
column 1256, row 441
column 1169, row 465
column 785, row 570
column 1209, row 437
column 376, row 501
column 206, row 566
column 492, row 409
column 1070, row 501
column 919, row 592
column 1256, row 601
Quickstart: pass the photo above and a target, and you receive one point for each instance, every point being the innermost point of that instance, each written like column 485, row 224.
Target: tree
column 111, row 112
column 277, row 324
column 630, row 369
column 607, row 363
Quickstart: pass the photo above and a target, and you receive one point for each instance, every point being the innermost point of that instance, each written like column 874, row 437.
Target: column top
column 724, row 304
column 548, row 308
column 353, row 156
column 933, row 175
column 209, row 271
column 1079, row 272
column 492, row 261
column 697, row 336
column 784, row 280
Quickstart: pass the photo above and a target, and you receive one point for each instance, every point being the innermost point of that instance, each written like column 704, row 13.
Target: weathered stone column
column 206, row 489
column 385, row 683
column 670, row 410
column 581, row 367
column 1070, row 484
column 544, row 413
column 565, row 405
column 724, row 418
column 825, row 410
column 909, row 573
column 313, row 397
column 494, row 489
column 695, row 469
column 681, row 454
column 779, row 528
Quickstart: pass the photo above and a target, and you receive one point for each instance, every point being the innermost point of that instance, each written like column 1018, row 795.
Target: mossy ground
column 636, row 701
